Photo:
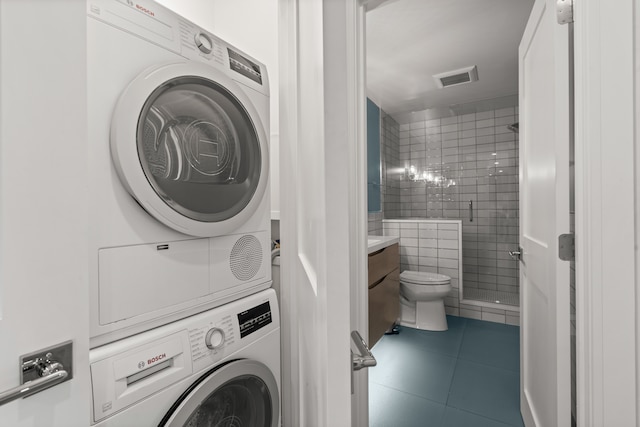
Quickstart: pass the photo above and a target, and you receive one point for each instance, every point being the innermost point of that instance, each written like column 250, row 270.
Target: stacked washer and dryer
column 184, row 328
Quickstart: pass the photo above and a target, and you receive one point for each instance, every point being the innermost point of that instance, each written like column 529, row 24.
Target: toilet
column 422, row 300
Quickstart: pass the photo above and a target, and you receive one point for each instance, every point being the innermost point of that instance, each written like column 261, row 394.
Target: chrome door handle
column 515, row 255
column 365, row 359
column 39, row 371
column 33, row 387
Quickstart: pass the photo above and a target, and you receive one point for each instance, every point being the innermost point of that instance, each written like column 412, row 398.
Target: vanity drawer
column 384, row 305
column 383, row 262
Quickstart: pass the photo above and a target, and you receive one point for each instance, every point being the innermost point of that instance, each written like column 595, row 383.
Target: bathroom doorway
column 445, row 76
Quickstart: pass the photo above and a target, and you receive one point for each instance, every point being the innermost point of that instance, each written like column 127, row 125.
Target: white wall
column 251, row 26
column 43, row 197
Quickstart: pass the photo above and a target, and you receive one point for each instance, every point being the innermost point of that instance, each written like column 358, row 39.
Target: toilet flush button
column 214, row 338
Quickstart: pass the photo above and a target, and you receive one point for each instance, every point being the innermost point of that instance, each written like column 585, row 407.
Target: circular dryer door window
column 199, row 149
column 198, row 144
column 241, row 393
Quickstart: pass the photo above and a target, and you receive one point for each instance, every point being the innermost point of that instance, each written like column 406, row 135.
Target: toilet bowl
column 275, row 271
column 422, row 300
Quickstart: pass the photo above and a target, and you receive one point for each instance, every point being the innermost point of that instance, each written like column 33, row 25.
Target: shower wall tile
column 375, row 223
column 433, row 246
column 475, row 158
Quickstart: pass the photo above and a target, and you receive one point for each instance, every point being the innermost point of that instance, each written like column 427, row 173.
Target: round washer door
column 240, row 393
column 190, row 147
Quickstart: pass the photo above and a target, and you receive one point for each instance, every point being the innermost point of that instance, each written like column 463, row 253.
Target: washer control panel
column 215, row 335
column 204, row 43
column 214, row 338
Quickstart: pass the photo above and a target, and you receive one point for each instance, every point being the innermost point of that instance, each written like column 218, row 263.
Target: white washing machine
column 178, row 167
column 217, row 368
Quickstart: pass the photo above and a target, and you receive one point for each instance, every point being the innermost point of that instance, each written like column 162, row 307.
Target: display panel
column 255, row 318
column 244, row 66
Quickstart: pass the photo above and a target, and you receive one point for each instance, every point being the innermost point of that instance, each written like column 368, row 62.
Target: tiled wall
column 430, row 245
column 390, row 182
column 375, row 223
column 454, row 160
column 491, row 314
column 391, row 164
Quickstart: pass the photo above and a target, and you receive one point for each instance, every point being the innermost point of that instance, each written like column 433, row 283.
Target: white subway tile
column 409, row 251
column 448, row 234
column 429, row 262
column 493, row 310
column 430, row 252
column 409, row 232
column 448, row 253
column 408, row 225
column 448, row 263
column 447, row 226
column 513, row 320
column 408, row 241
column 428, row 234
column 470, row 314
column 451, row 272
column 485, row 115
column 451, row 301
column 447, row 244
column 452, row 311
column 497, row 318
column 448, row 120
column 428, row 243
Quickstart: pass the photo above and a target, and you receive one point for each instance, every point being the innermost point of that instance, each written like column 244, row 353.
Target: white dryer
column 178, row 167
column 217, row 368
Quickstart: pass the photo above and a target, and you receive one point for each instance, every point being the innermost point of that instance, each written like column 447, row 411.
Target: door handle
column 516, row 255
column 365, row 359
column 41, row 370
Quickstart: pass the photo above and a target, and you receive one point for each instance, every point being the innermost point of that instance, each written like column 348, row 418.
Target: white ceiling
column 408, row 41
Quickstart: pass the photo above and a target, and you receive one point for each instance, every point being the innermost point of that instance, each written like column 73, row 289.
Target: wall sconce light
column 412, row 174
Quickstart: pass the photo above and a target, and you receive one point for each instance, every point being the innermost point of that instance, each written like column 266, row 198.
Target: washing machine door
column 189, row 146
column 240, row 393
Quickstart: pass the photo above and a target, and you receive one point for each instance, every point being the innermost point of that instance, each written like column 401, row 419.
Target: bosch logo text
column 156, row 358
column 145, row 10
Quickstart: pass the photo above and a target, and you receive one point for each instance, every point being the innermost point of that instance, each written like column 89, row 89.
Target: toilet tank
column 275, row 271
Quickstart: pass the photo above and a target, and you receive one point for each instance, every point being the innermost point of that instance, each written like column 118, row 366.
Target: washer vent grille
column 246, row 258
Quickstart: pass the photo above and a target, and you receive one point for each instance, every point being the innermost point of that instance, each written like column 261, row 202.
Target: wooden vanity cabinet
column 384, row 291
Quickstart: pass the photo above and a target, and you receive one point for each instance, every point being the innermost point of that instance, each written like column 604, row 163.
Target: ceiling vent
column 457, row 77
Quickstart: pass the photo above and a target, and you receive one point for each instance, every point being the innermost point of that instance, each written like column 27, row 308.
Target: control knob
column 204, row 43
column 214, row 338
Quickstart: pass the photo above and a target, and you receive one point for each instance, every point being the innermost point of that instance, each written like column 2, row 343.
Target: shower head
column 515, row 127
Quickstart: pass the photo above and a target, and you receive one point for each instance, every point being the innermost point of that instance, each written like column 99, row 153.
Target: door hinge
column 567, row 247
column 564, row 11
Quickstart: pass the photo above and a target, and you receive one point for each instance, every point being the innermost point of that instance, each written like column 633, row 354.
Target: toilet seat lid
column 424, row 278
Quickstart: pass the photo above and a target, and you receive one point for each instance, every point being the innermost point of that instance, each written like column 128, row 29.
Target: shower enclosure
column 462, row 164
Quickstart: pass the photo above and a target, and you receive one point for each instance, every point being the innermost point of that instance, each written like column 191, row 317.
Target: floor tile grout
column 410, row 394
column 456, row 356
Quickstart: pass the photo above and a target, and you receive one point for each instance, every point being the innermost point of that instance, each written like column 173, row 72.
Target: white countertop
column 380, row 242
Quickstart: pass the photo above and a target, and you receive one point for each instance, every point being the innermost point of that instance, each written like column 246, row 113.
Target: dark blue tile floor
column 467, row 376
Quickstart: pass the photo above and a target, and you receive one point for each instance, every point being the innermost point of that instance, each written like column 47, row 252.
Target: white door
column 544, row 206
column 43, row 215
column 323, row 213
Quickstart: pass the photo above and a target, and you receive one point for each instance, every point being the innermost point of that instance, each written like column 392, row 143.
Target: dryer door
column 190, row 147
column 240, row 393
